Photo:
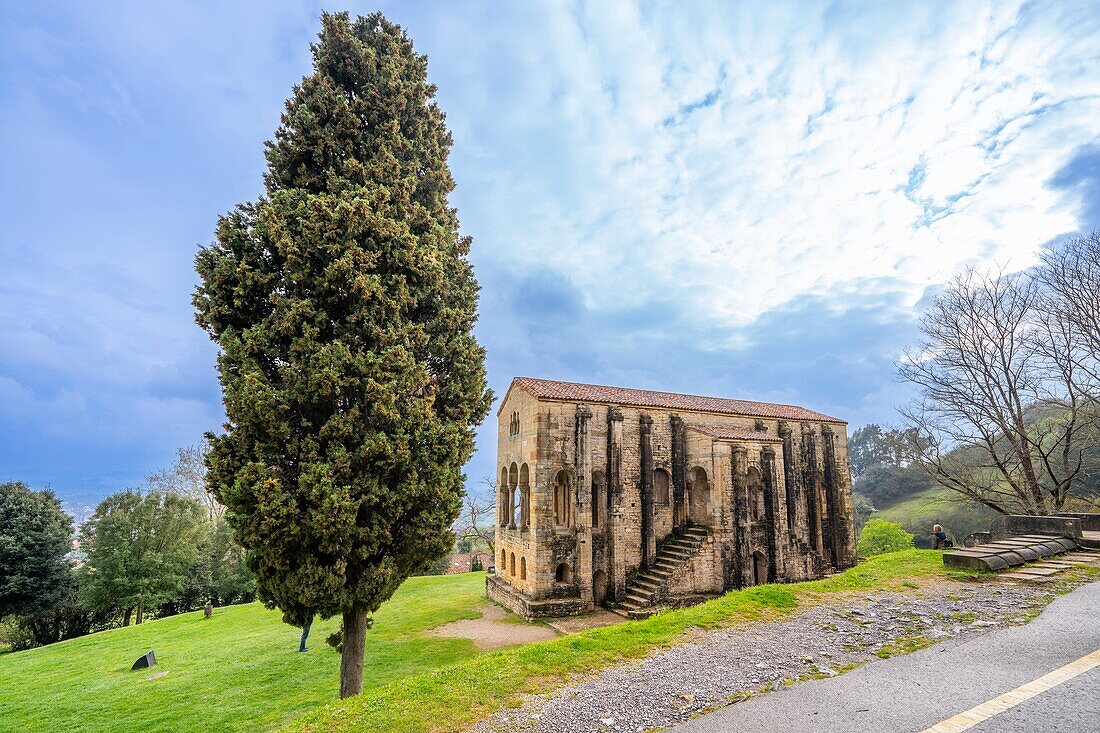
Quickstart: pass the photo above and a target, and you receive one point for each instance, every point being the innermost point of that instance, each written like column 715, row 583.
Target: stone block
column 974, row 560
column 1012, row 525
column 145, row 661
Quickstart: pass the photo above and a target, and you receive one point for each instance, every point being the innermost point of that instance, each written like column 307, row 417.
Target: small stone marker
column 144, row 661
column 208, row 609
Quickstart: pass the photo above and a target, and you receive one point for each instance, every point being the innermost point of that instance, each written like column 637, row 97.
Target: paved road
column 917, row 691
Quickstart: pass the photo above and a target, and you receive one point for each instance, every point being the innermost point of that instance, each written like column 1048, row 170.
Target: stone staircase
column 675, row 551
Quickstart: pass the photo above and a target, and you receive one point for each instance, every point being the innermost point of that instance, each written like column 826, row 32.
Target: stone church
column 635, row 500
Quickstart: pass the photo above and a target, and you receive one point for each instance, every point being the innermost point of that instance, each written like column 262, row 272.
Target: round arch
column 698, row 495
column 563, row 498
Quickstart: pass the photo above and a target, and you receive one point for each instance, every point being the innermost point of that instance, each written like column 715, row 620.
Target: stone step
column 1015, row 576
column 1042, row 572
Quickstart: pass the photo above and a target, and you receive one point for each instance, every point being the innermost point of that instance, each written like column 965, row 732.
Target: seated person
column 939, row 538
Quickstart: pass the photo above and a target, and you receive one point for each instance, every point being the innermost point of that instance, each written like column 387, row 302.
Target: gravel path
column 728, row 665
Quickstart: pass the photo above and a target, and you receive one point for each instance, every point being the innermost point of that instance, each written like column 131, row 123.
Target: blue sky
column 736, row 199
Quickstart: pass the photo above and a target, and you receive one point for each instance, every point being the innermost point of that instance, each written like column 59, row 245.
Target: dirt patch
column 593, row 620
column 493, row 631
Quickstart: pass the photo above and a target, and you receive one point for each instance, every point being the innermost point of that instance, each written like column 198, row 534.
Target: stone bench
column 1015, row 539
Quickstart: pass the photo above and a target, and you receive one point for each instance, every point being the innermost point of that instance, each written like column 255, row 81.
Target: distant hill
column 917, row 512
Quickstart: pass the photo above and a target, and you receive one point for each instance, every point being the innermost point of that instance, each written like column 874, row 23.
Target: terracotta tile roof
column 575, row 392
column 738, row 434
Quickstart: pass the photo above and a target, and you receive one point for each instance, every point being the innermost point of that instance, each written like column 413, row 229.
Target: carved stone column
column 649, row 537
column 792, row 479
column 511, row 503
column 616, row 567
column 582, row 461
column 679, row 473
column 771, row 510
column 742, row 552
column 811, row 480
column 837, row 526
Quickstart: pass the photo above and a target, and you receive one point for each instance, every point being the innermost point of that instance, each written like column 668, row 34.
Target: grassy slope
column 448, row 699
column 936, row 505
column 239, row 671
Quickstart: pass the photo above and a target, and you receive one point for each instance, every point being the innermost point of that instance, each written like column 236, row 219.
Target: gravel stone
column 728, row 665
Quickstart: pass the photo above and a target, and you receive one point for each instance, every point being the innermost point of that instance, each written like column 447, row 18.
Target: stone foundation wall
column 518, row 603
column 701, row 575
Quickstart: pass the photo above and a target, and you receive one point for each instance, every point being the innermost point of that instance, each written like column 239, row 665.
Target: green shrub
column 879, row 536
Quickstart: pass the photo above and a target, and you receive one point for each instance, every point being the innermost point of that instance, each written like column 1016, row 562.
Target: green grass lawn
column 450, row 698
column 238, row 671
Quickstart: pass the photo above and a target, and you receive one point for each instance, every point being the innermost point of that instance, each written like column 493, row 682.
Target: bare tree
column 1000, row 417
column 478, row 520
column 1070, row 275
column 187, row 476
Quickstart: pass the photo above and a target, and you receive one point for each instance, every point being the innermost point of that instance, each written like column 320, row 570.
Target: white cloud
column 738, row 198
column 742, row 157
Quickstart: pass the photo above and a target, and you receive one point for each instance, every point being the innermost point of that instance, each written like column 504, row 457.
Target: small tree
column 35, row 536
column 231, row 580
column 187, row 477
column 879, row 536
column 343, row 304
column 139, row 550
column 476, row 526
column 862, row 509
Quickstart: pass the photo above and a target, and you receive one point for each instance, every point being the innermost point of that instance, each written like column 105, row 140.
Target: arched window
column 660, row 487
column 512, row 564
column 599, row 499
column 513, row 500
column 756, row 494
column 563, row 499
column 524, row 496
column 503, row 562
column 523, row 568
column 563, row 574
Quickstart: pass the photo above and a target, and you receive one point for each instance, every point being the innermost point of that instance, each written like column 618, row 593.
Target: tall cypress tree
column 342, row 302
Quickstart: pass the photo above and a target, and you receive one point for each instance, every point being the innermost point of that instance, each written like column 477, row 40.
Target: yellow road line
column 980, row 713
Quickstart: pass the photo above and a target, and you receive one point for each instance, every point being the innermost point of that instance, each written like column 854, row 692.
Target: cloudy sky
column 737, row 199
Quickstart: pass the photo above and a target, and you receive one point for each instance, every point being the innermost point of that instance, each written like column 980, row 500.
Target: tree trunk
column 137, row 617
column 351, row 653
column 126, row 616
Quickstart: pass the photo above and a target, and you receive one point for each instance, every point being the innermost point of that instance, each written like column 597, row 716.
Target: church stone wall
column 777, row 504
